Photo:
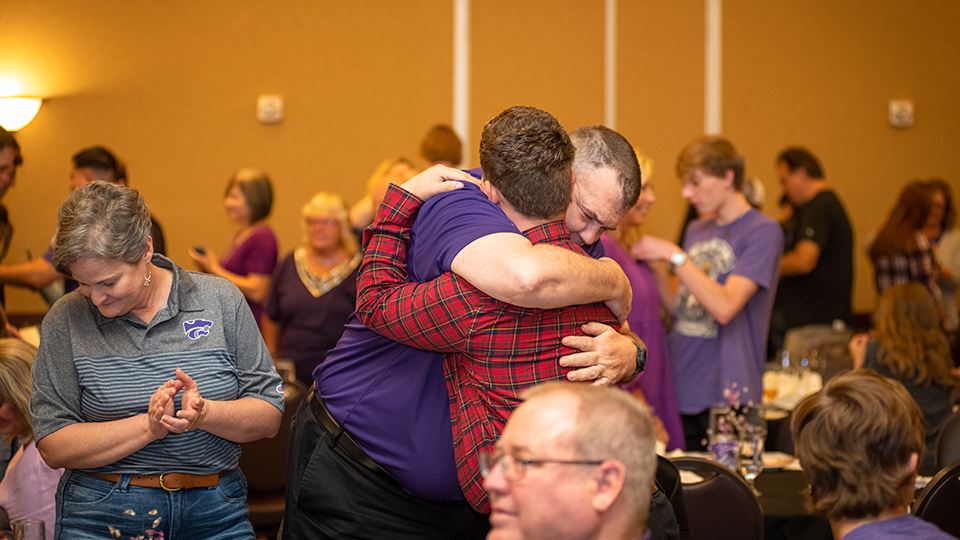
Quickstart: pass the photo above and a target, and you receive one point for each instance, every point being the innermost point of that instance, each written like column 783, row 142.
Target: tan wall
column 172, row 87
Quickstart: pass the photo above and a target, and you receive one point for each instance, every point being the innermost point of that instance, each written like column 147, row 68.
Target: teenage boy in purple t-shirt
column 728, row 273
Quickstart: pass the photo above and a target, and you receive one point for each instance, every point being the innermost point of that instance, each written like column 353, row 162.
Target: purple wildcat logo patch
column 196, row 328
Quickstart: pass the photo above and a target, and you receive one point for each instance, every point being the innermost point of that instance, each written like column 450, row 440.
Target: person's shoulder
column 69, row 306
column 761, row 223
column 264, row 233
column 468, row 194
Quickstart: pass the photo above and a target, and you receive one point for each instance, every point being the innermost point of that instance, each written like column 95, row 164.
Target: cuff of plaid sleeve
column 401, row 206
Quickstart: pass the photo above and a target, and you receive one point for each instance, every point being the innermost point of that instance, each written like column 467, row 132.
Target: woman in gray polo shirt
column 147, row 379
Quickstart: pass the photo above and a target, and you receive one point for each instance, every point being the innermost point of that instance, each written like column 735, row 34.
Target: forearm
column 253, row 286
column 242, row 420
column 88, row 445
column 511, row 269
column 721, row 301
column 800, row 260
column 35, row 274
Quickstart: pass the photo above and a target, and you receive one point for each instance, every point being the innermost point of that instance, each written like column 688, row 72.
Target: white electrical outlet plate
column 270, row 109
column 901, row 113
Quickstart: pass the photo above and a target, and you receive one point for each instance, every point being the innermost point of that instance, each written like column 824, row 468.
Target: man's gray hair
column 101, row 221
column 599, row 147
column 612, row 424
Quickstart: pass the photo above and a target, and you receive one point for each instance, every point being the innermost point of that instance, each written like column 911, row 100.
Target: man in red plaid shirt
column 494, row 350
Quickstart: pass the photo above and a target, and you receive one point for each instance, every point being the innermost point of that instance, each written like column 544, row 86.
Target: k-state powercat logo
column 196, row 328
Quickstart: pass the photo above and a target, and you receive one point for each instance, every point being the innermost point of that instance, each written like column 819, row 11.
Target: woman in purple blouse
column 314, row 290
column 252, row 255
column 655, row 384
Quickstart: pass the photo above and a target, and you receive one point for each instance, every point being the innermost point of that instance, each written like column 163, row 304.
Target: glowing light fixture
column 17, row 111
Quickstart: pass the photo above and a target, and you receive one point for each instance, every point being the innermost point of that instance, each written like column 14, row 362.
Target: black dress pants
column 331, row 495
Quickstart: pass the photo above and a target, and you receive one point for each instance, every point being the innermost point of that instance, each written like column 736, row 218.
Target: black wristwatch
column 641, row 358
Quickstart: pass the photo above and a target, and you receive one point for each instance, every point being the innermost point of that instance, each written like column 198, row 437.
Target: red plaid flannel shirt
column 493, row 350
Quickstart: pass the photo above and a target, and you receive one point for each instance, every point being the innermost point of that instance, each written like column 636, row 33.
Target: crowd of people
column 422, row 318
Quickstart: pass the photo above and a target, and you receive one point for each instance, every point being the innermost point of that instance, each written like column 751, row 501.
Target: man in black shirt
column 816, row 270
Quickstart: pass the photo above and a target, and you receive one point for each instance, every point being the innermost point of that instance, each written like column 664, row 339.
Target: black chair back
column 948, row 441
column 264, row 465
column 939, row 502
column 721, row 506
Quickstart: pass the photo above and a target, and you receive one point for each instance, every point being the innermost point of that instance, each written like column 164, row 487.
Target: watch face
column 678, row 258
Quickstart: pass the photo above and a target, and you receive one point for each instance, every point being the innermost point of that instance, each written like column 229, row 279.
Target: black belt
column 340, row 435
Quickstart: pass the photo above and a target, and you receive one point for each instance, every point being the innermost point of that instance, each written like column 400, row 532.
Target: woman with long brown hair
column 909, row 346
column 902, row 253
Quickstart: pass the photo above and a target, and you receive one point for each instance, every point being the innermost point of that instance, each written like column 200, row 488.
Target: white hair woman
column 314, row 290
column 147, row 379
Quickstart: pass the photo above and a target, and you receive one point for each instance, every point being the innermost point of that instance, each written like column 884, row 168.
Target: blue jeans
column 93, row 508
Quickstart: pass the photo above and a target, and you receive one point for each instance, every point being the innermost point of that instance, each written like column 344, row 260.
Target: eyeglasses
column 326, row 222
column 515, row 468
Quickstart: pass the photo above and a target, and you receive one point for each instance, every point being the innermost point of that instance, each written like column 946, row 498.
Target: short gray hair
column 612, row 424
column 101, row 221
column 599, row 147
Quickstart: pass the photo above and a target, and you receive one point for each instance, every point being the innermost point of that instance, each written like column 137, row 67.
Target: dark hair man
column 818, row 256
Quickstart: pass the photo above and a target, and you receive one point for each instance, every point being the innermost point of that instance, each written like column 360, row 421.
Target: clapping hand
column 191, row 413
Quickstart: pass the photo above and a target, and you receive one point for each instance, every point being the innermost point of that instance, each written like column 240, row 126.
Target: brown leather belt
column 340, row 435
column 168, row 481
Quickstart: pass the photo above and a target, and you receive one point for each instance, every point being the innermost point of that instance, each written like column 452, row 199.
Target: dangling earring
column 146, row 278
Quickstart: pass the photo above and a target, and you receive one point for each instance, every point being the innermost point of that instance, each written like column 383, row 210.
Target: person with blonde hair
column 910, row 347
column 396, row 170
column 29, row 488
column 859, row 440
column 251, row 256
column 314, row 289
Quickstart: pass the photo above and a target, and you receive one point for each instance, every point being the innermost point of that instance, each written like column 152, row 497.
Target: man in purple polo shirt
column 373, row 455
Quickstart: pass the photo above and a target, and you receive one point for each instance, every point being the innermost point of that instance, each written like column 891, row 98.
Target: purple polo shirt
column 393, row 398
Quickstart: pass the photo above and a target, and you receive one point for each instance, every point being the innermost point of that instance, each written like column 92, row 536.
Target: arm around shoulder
column 509, row 268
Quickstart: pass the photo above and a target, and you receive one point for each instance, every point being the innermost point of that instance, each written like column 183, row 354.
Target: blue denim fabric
column 92, row 508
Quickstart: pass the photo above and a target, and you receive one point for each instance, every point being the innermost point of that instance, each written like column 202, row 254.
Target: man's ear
column 610, row 477
column 492, row 193
column 728, row 177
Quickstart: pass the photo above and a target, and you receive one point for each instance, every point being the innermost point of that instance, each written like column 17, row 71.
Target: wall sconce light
column 17, row 111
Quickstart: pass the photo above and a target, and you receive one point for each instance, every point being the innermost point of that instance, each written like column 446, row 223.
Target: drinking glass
column 751, row 459
column 752, row 432
column 28, row 529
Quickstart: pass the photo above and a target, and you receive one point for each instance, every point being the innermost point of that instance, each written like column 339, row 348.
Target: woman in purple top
column 314, row 290
column 29, row 488
column 252, row 255
column 655, row 384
